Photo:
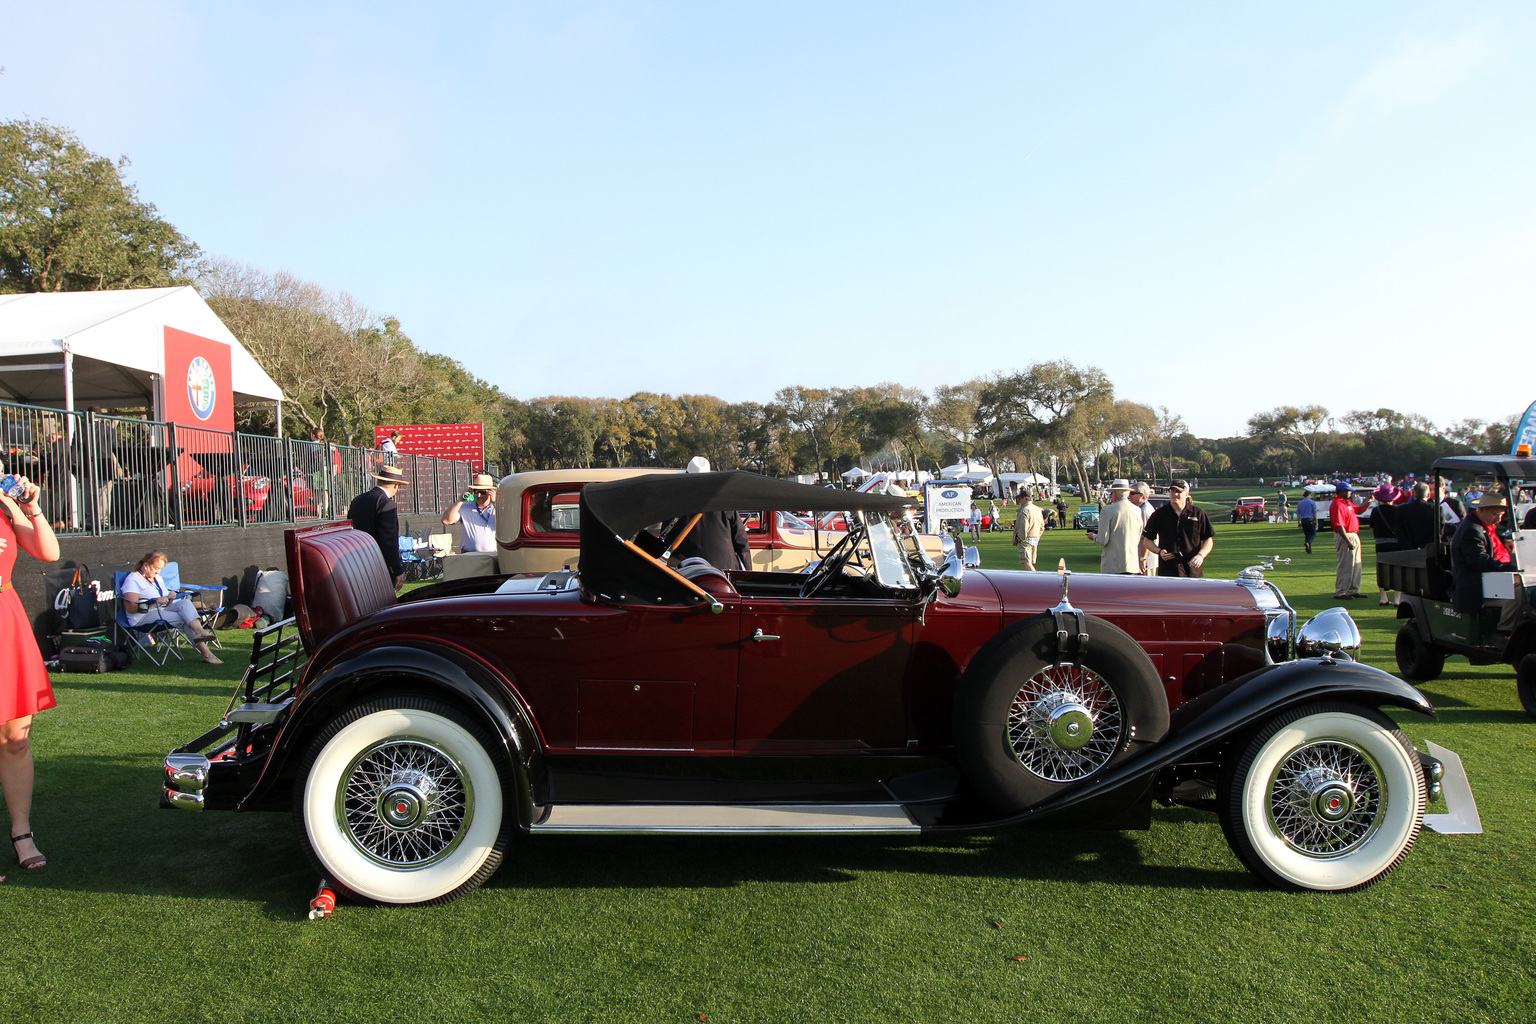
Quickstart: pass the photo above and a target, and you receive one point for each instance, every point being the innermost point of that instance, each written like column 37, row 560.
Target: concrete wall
column 221, row 554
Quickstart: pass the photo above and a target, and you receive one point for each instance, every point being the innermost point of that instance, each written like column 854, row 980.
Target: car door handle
column 760, row 635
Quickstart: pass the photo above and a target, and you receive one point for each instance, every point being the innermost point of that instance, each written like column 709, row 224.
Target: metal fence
column 112, row 474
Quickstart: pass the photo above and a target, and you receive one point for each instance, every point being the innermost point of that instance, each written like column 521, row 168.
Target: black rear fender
column 416, row 670
column 1200, row 728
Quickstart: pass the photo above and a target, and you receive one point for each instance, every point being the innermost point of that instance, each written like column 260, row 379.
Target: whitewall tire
column 1326, row 797
column 400, row 800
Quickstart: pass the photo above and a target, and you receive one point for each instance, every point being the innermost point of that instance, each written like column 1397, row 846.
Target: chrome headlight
column 1330, row 631
column 1278, row 636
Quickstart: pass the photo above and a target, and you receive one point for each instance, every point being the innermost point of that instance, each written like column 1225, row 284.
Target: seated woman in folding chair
column 145, row 599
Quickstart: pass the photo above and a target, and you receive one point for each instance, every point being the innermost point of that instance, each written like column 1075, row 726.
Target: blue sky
column 1225, row 207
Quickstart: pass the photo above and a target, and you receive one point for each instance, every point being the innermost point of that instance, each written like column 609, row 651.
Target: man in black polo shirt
column 1179, row 534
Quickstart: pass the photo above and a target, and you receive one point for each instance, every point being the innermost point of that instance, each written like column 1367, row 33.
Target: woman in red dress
column 24, row 688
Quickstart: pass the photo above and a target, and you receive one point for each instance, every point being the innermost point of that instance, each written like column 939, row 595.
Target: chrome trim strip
column 184, row 801
column 867, row 819
column 1461, row 817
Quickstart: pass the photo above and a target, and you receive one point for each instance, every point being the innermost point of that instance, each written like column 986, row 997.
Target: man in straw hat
column 374, row 512
column 476, row 509
column 1477, row 548
column 1119, row 532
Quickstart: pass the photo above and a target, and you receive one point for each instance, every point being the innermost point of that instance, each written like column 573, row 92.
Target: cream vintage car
column 538, row 524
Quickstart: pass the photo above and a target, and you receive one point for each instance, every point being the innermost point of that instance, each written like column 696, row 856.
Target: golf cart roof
column 1505, row 467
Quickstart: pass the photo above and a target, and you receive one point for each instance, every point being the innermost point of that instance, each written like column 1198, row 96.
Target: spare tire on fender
column 1027, row 728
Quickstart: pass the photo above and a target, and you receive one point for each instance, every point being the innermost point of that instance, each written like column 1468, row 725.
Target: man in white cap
column 476, row 509
column 1119, row 532
column 374, row 512
column 720, row 538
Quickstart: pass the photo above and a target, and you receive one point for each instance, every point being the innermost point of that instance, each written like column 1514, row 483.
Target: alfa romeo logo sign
column 201, row 390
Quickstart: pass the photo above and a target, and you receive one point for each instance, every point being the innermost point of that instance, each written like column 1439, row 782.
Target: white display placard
column 944, row 500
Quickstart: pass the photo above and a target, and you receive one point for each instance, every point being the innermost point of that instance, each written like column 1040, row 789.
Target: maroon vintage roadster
column 875, row 692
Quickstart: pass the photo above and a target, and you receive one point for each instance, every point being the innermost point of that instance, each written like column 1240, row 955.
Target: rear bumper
column 186, row 777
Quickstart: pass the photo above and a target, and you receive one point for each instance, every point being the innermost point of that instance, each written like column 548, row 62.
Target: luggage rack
column 265, row 689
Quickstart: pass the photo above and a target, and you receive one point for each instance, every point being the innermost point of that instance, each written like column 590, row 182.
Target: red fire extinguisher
column 324, row 903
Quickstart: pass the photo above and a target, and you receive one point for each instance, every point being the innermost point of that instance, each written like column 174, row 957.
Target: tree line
column 70, row 221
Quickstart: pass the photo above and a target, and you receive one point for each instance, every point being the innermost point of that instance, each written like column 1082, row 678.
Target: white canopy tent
column 107, row 348
column 855, row 474
column 967, row 471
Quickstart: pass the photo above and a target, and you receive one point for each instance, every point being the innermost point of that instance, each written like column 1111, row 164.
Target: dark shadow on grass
column 115, row 684
column 1482, row 716
column 103, row 831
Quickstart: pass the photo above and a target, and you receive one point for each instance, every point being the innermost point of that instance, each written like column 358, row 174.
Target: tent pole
column 277, row 429
column 69, row 383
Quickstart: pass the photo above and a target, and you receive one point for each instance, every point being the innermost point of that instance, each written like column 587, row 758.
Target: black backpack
column 95, row 655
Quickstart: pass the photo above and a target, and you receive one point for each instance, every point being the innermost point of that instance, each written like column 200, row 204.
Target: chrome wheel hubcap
column 404, row 803
column 1064, row 723
column 1325, row 798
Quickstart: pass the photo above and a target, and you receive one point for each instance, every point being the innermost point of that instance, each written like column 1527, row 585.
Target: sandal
column 31, row 863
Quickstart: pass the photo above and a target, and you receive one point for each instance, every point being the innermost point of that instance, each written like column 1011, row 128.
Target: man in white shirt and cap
column 1119, row 532
column 476, row 509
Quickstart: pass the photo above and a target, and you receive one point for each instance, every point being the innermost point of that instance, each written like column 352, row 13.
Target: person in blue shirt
column 1306, row 514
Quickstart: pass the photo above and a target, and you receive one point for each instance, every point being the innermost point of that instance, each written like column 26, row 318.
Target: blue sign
column 1525, row 433
column 949, row 494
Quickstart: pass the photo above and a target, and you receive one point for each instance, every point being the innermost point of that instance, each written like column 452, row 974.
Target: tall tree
column 1299, row 428
column 1057, row 407
column 69, row 222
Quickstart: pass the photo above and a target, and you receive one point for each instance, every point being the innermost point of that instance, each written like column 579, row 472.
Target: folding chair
column 412, row 565
column 207, row 598
column 147, row 637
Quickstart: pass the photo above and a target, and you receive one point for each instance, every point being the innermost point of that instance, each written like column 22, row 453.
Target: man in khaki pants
column 1346, row 542
column 1027, row 530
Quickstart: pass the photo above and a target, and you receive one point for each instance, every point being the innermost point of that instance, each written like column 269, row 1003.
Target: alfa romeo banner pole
column 1525, row 433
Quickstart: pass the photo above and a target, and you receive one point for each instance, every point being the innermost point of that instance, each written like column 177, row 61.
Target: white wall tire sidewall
column 334, row 848
column 1402, row 789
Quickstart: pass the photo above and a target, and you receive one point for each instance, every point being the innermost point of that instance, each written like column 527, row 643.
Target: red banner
column 199, row 389
column 458, row 441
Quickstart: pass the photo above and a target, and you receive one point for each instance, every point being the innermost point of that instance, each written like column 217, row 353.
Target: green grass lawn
column 150, row 915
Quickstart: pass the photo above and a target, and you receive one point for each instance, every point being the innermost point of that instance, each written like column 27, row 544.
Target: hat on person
column 482, row 482
column 1386, row 494
column 1490, row 499
column 391, row 475
column 1343, row 487
column 1179, row 485
column 698, row 464
column 1121, row 484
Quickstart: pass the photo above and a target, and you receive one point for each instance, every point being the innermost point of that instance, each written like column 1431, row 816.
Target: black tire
column 1525, row 683
column 1025, row 730
column 403, row 799
column 1419, row 662
column 1325, row 797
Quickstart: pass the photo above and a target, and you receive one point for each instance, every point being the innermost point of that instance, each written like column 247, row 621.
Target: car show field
column 148, row 915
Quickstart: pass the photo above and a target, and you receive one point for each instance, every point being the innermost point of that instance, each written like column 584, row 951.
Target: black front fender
column 423, row 670
column 1234, row 709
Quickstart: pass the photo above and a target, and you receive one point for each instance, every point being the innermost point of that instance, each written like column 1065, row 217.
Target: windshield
column 891, row 567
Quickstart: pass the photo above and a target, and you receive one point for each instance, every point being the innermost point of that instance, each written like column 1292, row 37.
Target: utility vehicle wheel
column 1026, row 729
column 1525, row 683
column 399, row 800
column 1419, row 662
column 1326, row 797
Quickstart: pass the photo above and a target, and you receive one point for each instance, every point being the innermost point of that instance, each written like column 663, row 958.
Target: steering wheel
column 832, row 565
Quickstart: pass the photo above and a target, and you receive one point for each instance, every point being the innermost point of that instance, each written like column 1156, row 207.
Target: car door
column 819, row 674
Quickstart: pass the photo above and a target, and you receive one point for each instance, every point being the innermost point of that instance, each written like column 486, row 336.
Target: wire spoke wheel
column 1064, row 723
column 1325, row 798
column 400, row 799
column 404, row 803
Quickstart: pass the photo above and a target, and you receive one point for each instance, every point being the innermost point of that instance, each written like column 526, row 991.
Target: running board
column 741, row 819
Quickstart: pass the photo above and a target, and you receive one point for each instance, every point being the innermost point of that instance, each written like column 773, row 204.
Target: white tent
column 107, row 348
column 972, row 471
column 855, row 473
column 1029, row 479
